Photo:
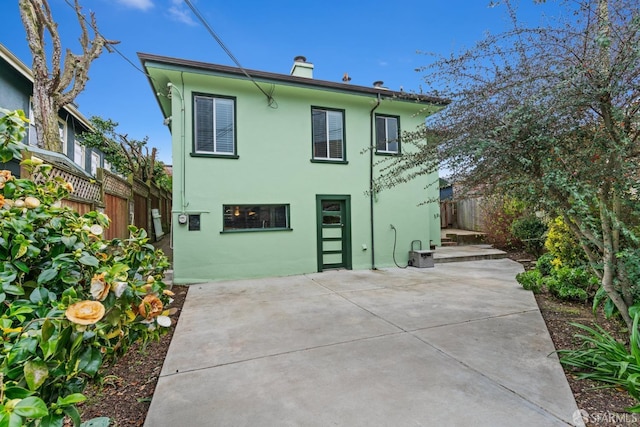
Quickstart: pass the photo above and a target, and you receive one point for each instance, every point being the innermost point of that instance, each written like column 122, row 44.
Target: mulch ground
column 124, row 393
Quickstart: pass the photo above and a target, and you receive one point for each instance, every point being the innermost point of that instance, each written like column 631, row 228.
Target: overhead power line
column 196, row 12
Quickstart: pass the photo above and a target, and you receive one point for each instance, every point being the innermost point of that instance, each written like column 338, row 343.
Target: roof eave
column 285, row 78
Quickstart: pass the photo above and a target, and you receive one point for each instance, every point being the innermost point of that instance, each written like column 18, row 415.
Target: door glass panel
column 331, row 219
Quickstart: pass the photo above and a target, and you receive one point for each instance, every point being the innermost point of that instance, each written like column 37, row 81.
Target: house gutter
column 371, row 201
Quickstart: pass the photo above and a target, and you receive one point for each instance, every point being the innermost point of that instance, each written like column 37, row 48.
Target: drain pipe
column 372, row 147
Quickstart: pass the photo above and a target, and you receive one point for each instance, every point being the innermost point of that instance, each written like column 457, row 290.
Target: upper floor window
column 214, row 126
column 387, row 135
column 328, row 134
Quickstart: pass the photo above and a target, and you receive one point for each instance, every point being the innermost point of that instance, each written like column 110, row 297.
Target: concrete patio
column 459, row 344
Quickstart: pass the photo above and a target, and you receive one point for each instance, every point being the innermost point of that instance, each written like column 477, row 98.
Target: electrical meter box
column 421, row 259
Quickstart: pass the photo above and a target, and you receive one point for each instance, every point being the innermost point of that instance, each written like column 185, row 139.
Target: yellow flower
column 150, row 307
column 99, row 288
column 67, row 186
column 85, row 312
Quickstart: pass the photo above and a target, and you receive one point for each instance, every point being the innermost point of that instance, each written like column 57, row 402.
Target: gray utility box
column 421, row 259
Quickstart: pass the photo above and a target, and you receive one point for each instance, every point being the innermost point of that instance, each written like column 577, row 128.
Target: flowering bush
column 69, row 300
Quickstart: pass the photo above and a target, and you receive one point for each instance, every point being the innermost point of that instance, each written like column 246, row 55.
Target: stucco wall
column 274, row 167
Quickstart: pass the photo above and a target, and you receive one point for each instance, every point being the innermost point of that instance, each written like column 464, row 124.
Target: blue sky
column 373, row 40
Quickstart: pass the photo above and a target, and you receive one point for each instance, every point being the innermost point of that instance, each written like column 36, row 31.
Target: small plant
column 544, row 265
column 562, row 244
column 530, row 231
column 603, row 358
column 530, row 280
column 572, row 283
column 499, row 212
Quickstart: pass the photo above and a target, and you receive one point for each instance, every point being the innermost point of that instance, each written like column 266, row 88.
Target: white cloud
column 137, row 4
column 179, row 13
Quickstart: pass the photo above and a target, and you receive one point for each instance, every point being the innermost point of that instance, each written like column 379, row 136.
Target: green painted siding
column 274, row 167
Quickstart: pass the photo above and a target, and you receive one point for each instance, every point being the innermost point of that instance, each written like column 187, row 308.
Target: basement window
column 256, row 217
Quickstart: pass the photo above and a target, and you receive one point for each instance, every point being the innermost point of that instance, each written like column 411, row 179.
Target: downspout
column 371, row 195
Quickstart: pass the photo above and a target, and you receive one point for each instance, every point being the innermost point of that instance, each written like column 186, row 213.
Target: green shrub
column 70, row 299
column 530, row 280
column 530, row 231
column 544, row 265
column 572, row 283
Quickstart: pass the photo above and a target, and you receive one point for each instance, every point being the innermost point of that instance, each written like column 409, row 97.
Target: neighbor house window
column 95, row 163
column 62, row 133
column 107, row 165
column 387, row 135
column 256, row 217
column 78, row 153
column 214, row 126
column 328, row 134
column 33, row 137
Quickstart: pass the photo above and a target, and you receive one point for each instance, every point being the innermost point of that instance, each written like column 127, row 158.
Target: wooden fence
column 124, row 201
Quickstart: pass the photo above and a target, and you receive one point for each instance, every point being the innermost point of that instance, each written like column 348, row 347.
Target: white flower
column 99, row 288
column 96, row 229
column 118, row 288
column 164, row 321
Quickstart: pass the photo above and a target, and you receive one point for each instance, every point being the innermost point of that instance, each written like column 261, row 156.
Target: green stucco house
column 271, row 172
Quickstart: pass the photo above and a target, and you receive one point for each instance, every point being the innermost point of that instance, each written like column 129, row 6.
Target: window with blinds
column 214, row 125
column 328, row 134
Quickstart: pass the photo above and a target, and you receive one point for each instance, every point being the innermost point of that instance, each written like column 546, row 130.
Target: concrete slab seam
column 533, row 405
column 480, row 319
column 267, row 356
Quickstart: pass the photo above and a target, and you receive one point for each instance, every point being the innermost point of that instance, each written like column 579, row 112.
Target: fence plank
column 117, row 210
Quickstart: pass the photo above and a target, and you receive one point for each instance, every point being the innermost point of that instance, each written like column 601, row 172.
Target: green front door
column 334, row 232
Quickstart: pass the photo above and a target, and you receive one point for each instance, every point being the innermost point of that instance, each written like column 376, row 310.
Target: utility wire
column 204, row 22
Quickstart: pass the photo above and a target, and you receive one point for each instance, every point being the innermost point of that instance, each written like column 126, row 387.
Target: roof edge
column 286, row 78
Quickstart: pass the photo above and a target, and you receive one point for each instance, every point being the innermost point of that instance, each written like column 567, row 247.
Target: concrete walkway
column 460, row 344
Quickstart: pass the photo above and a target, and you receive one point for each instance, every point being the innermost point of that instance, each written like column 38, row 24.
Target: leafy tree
column 549, row 115
column 127, row 156
column 57, row 80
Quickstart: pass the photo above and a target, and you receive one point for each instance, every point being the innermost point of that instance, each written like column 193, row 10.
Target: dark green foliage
column 530, row 280
column 603, row 358
column 572, row 283
column 544, row 265
column 530, row 230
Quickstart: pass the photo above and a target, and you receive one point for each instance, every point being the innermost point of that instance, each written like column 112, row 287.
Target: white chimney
column 302, row 68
